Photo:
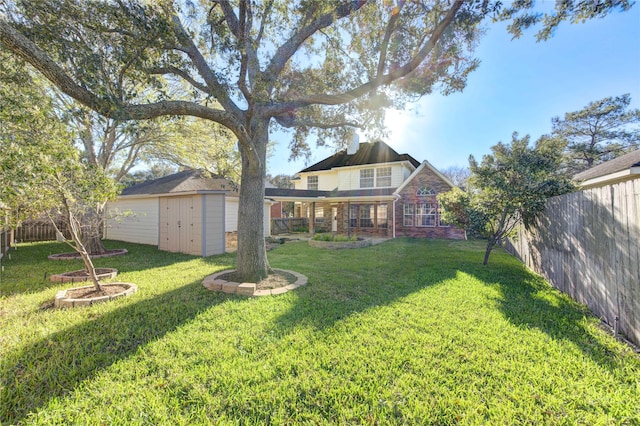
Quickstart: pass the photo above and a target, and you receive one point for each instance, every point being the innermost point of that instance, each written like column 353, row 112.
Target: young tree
column 599, row 132
column 509, row 188
column 39, row 167
column 323, row 66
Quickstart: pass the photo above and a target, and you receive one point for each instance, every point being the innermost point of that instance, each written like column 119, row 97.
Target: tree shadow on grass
column 342, row 284
column 57, row 364
column 29, row 269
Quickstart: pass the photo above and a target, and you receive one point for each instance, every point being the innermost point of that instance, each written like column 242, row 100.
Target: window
column 312, row 182
column 408, row 215
column 381, row 216
column 441, row 222
column 426, row 214
column 383, row 177
column 366, row 178
column 367, row 212
column 353, row 216
column 319, row 215
column 424, row 191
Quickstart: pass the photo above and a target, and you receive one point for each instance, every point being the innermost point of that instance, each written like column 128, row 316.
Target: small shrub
column 300, row 229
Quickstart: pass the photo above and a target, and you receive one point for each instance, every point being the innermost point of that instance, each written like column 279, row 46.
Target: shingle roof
column 618, row 164
column 368, row 153
column 186, row 181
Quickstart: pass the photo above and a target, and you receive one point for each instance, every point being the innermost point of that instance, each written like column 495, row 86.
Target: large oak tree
column 325, row 66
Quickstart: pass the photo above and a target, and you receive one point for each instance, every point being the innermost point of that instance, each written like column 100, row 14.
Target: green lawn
column 406, row 332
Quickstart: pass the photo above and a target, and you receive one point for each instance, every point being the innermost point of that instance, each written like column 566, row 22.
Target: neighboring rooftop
column 368, row 153
column 185, row 181
column 619, row 164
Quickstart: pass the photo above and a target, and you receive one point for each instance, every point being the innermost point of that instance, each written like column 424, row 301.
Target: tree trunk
column 92, row 231
column 490, row 245
column 253, row 265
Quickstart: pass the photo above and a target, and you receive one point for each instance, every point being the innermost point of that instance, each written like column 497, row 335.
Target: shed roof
column 185, row 181
column 618, row 164
column 368, row 153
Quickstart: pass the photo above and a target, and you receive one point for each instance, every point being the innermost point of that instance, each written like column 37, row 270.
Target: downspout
column 396, row 197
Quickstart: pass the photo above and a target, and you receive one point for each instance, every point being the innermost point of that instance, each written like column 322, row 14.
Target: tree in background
column 457, row 175
column 597, row 133
column 311, row 66
column 509, row 189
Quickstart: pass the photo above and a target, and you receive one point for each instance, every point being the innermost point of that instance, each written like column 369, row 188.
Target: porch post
column 312, row 219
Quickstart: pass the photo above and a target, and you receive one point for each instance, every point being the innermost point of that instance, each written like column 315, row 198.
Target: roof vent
column 354, row 144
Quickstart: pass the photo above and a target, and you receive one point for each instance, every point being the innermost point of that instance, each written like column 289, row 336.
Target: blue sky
column 519, row 86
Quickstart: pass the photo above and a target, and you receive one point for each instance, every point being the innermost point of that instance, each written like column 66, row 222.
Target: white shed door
column 177, row 219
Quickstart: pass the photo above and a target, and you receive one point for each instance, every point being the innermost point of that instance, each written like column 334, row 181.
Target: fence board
column 586, row 244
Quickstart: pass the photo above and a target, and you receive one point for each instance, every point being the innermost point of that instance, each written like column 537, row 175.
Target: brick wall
column 409, row 195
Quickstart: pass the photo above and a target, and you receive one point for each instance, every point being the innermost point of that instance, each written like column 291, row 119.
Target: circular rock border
column 67, row 277
column 213, row 283
column 75, row 255
column 62, row 301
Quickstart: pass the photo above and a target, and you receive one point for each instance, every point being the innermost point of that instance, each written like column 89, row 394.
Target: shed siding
column 139, row 225
column 231, row 214
column 214, row 210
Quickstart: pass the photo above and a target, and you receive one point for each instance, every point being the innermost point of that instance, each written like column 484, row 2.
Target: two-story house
column 370, row 189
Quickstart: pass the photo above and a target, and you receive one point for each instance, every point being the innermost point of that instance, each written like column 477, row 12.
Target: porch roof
column 281, row 194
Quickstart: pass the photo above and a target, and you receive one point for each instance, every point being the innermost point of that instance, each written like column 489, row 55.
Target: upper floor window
column 424, row 191
column 312, row 182
column 383, row 177
column 366, row 178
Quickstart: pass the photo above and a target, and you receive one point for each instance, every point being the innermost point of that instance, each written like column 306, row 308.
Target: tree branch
column 289, row 121
column 291, row 46
column 180, row 73
column 215, row 88
column 348, row 96
column 27, row 50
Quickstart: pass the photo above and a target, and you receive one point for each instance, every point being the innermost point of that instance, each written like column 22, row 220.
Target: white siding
column 328, row 181
column 214, row 210
column 231, row 214
column 139, row 224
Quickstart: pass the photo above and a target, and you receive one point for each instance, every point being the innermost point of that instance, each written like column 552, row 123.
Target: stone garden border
column 213, row 283
column 62, row 301
column 72, row 277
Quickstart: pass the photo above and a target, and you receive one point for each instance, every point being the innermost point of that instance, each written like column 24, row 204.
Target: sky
column 520, row 85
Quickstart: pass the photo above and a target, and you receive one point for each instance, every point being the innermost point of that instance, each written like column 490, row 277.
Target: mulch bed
column 76, row 255
column 276, row 279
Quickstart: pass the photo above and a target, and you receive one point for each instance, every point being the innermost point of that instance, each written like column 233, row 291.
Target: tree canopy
column 310, row 66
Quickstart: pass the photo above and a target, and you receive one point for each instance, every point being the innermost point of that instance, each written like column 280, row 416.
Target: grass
column 405, row 332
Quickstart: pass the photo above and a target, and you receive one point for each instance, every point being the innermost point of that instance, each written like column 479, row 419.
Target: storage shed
column 185, row 212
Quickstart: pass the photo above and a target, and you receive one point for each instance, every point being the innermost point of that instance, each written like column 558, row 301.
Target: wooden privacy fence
column 288, row 225
column 586, row 244
column 37, row 230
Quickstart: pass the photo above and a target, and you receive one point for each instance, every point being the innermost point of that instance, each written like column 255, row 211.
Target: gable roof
column 181, row 182
column 617, row 169
column 368, row 153
column 417, row 171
